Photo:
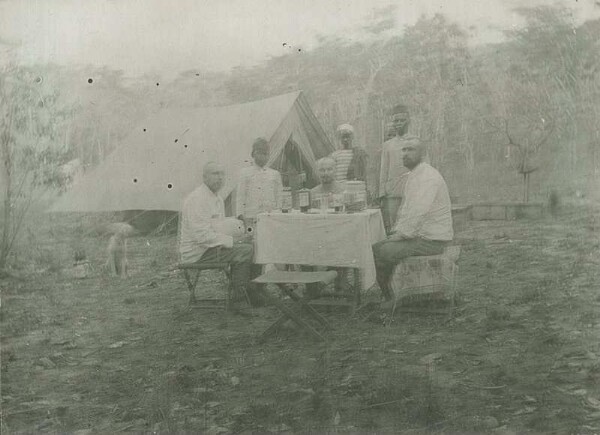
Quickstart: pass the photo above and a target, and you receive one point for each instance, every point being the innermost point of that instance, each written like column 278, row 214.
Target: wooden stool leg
column 273, row 328
column 357, row 287
column 310, row 310
column 229, row 294
column 296, row 318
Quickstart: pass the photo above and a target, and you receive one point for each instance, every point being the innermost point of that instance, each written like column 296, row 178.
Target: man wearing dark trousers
column 208, row 237
column 424, row 222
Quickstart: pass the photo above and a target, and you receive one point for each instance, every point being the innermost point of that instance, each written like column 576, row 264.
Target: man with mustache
column 424, row 223
column 207, row 236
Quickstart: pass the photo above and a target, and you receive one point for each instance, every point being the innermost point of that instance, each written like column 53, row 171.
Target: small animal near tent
column 160, row 162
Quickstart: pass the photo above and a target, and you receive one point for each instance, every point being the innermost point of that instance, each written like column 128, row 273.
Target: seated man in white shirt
column 326, row 171
column 424, row 223
column 208, row 237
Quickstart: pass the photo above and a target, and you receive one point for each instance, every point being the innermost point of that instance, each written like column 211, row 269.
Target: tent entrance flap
column 296, row 170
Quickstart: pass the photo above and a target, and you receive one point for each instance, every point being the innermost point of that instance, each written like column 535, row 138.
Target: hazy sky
column 167, row 36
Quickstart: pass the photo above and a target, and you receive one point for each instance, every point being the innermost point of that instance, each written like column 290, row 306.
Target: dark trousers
column 240, row 259
column 388, row 253
column 389, row 210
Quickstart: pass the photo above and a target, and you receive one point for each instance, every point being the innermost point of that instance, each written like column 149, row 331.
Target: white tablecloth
column 342, row 240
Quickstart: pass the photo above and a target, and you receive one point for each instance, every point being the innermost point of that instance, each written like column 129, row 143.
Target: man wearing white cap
column 350, row 160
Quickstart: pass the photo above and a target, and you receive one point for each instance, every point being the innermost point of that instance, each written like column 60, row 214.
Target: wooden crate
column 506, row 211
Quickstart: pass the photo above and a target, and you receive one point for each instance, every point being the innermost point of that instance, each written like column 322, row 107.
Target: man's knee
column 378, row 247
column 382, row 250
column 391, row 252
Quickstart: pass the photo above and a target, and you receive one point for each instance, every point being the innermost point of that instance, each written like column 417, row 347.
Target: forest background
column 507, row 121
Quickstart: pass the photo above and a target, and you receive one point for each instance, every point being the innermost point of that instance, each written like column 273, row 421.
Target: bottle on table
column 286, row 200
column 304, row 199
column 337, row 202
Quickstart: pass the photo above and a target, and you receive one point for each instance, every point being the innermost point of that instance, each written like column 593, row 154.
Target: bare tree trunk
column 7, row 165
column 526, row 187
column 7, row 212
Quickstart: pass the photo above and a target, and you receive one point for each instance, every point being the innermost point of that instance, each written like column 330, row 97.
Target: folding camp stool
column 299, row 305
column 192, row 272
column 418, row 281
column 349, row 299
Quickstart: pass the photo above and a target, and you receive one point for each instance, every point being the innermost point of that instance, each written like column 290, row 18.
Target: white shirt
column 426, row 211
column 258, row 191
column 202, row 214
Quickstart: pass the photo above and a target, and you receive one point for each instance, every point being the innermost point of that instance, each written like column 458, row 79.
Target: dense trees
column 33, row 145
column 491, row 114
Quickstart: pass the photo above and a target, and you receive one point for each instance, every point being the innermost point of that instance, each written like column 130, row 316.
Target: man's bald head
column 325, row 161
column 326, row 170
column 213, row 175
column 413, row 153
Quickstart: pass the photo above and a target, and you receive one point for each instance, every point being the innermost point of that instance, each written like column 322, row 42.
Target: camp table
column 321, row 239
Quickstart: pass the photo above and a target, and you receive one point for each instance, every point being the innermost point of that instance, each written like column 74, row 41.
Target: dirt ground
column 521, row 353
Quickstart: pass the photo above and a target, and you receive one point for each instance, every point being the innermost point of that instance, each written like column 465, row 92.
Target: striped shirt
column 342, row 163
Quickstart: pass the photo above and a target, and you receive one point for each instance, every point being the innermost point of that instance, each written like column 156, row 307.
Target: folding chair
column 192, row 272
column 299, row 305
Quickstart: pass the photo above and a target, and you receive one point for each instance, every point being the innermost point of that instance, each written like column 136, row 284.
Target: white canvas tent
column 160, row 162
